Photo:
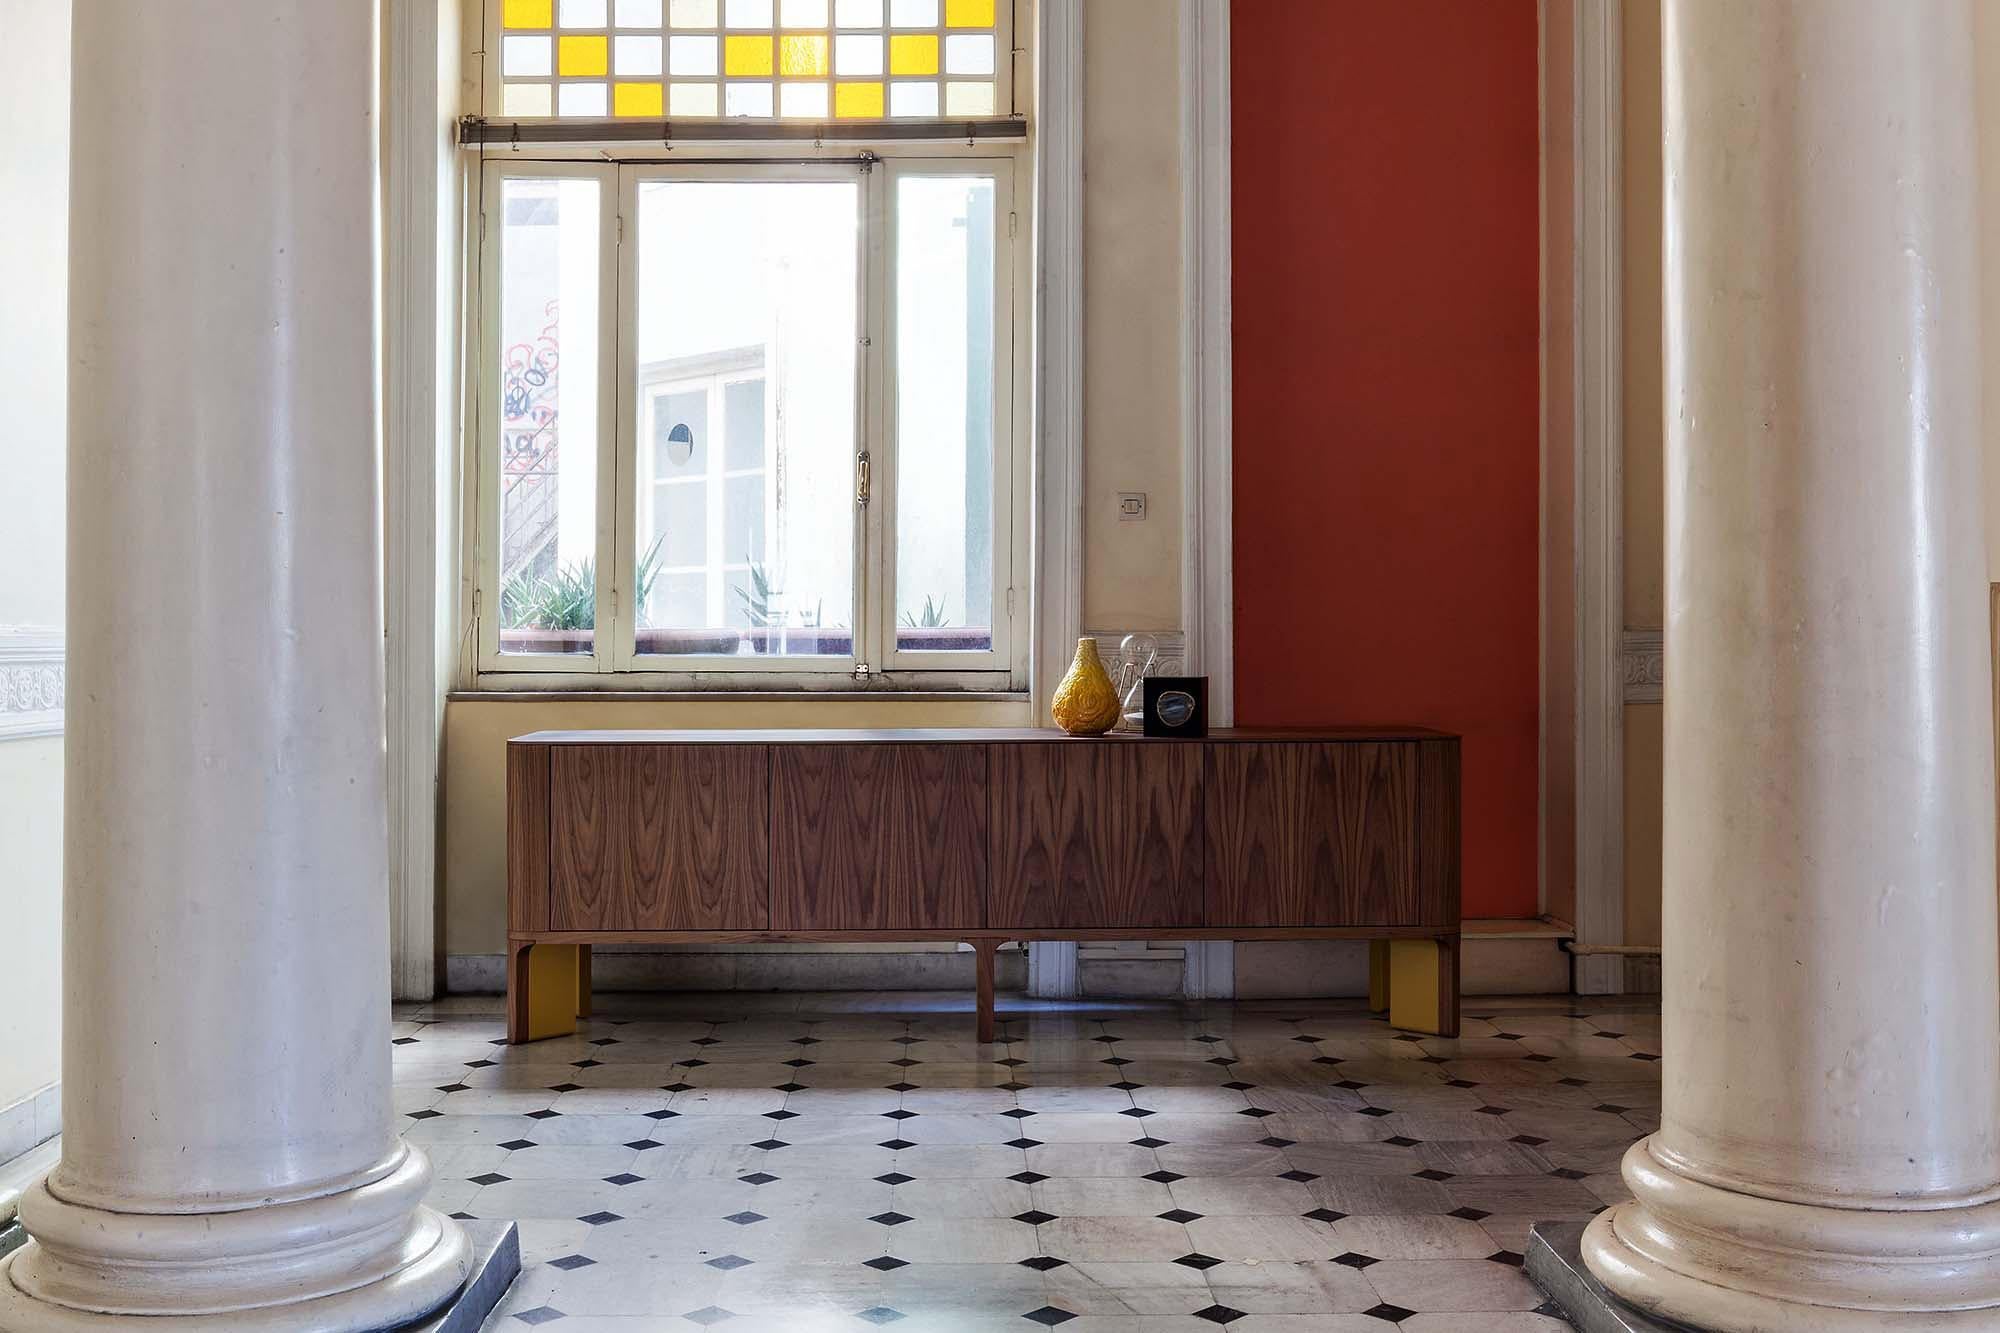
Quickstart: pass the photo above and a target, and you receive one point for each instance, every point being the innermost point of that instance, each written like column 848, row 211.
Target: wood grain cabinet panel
column 879, row 837
column 1312, row 835
column 660, row 837
column 1089, row 836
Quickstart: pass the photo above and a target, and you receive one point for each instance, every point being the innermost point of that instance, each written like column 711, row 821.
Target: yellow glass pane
column 968, row 13
column 694, row 99
column 857, row 101
column 746, row 56
column 801, row 56
column 583, row 56
column 636, row 99
column 528, row 13
column 913, row 54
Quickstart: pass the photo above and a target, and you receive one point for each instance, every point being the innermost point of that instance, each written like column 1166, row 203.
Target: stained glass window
column 786, row 59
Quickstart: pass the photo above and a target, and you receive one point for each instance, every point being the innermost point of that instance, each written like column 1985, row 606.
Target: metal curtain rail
column 477, row 131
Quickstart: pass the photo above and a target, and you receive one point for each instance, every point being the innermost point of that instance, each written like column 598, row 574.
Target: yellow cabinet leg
column 1423, row 985
column 545, row 992
column 1378, row 976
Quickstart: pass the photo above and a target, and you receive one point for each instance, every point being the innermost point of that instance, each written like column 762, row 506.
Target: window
column 842, row 60
column 775, row 401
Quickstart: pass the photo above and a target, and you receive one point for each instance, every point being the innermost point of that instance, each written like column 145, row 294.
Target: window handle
column 861, row 479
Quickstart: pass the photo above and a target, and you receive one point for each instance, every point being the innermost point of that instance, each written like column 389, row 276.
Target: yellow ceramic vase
column 1085, row 703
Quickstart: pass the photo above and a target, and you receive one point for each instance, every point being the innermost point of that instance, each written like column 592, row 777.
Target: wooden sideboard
column 981, row 837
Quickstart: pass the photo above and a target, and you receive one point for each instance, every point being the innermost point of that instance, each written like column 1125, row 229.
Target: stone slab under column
column 496, row 1262
column 1555, row 1264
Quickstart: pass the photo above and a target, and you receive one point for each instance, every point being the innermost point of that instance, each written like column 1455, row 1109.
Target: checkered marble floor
column 812, row 1163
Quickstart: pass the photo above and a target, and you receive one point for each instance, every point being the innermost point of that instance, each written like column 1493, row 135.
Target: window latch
column 861, row 479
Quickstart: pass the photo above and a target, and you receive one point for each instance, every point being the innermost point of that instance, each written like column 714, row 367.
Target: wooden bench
column 981, row 837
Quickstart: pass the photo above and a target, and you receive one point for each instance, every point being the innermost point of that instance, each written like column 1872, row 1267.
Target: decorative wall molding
column 29, row 1123
column 420, row 244
column 1645, row 666
column 31, row 682
column 1600, row 444
column 1207, row 402
column 1058, row 519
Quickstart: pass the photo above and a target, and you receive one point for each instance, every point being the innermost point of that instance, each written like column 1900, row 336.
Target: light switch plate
column 1131, row 506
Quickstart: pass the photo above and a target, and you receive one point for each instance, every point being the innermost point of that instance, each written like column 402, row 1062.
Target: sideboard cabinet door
column 660, row 837
column 878, row 837
column 1303, row 833
column 1096, row 835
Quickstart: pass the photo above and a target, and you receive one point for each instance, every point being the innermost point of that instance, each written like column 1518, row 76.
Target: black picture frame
column 1184, row 712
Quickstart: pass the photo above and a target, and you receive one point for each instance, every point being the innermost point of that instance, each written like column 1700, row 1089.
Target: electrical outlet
column 1131, row 506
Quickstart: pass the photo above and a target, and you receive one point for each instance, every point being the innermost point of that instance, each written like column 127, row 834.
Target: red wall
column 1387, row 409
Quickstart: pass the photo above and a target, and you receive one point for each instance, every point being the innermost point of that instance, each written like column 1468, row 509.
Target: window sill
column 880, row 694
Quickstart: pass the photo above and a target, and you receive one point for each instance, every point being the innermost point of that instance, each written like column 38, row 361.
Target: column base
column 1693, row 1253
column 356, row 1261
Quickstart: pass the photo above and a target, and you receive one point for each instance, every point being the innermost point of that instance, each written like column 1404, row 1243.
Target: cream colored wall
column 1645, row 458
column 31, row 799
column 34, row 182
column 1132, row 313
column 1132, row 443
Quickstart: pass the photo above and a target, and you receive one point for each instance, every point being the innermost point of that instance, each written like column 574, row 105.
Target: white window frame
column 614, row 664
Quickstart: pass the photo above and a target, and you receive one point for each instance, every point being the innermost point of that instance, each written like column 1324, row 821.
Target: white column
column 1829, row 1151
column 230, row 1158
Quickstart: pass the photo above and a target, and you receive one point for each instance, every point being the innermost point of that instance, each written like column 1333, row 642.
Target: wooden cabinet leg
column 1378, row 976
column 541, row 990
column 583, row 981
column 1423, row 985
column 983, row 963
column 517, row 991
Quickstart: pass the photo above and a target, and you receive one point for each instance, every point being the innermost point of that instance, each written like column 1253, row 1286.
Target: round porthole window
column 680, row 444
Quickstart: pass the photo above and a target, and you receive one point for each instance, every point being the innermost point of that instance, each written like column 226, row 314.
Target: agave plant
column 931, row 617
column 566, row 598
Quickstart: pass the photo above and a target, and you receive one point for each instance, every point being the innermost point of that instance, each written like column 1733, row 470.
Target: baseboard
column 30, row 1122
column 1491, row 963
column 724, row 970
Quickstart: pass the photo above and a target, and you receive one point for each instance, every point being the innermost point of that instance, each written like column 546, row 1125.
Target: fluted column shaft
column 1829, row 1150
column 230, row 1158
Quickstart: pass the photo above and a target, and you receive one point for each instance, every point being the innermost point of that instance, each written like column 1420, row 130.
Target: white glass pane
column 970, row 53
column 691, row 99
column 913, row 99
column 968, row 99
column 913, row 13
column 944, row 413
column 527, row 99
column 582, row 99
column 747, row 294
column 638, row 13
column 803, row 13
column 749, row 13
column 694, row 13
column 857, row 54
column 694, row 55
column 679, row 529
column 526, row 56
column 636, row 55
column 857, row 13
column 748, row 99
column 743, row 424
column 801, row 100
column 548, row 414
column 582, row 13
